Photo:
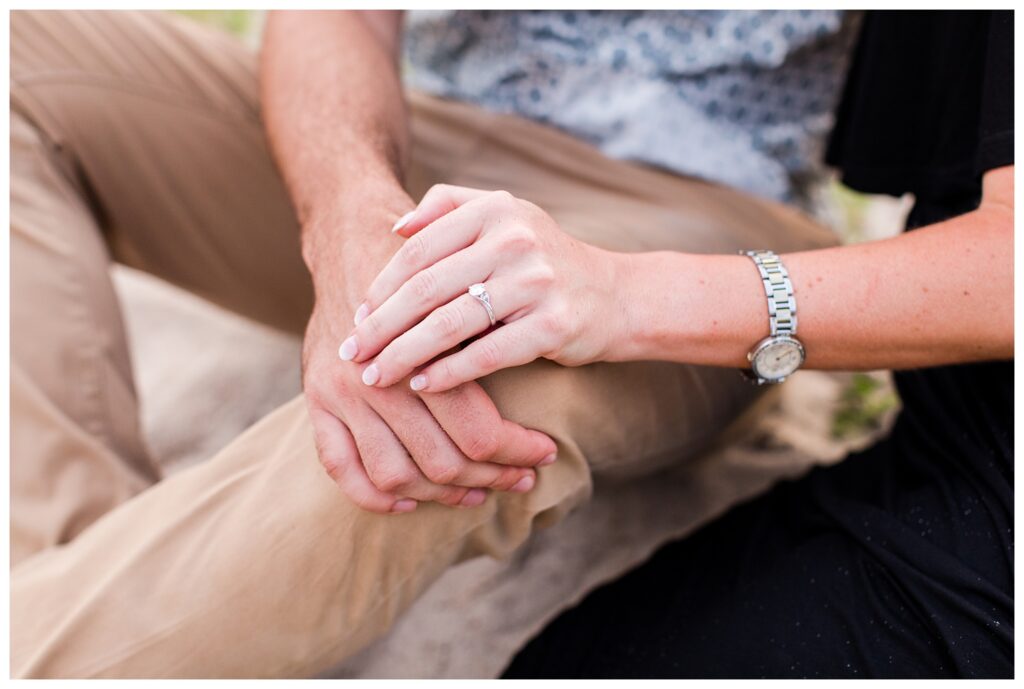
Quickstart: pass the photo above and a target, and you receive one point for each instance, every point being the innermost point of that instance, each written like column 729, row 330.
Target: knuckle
column 452, row 497
column 481, row 446
column 391, row 360
column 394, row 480
column 554, row 328
column 414, row 250
column 520, row 239
column 330, row 387
column 372, row 326
column 502, row 198
column 448, row 322
column 424, row 287
column 531, row 209
column 506, row 479
column 551, row 323
column 443, row 371
column 488, row 354
column 443, row 473
column 401, row 359
column 316, row 392
column 542, row 276
column 365, row 502
column 438, row 190
column 334, row 468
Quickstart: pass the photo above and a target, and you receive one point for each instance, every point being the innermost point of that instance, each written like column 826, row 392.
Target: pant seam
column 159, row 94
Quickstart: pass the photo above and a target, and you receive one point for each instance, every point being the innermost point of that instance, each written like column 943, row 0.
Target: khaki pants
column 137, row 138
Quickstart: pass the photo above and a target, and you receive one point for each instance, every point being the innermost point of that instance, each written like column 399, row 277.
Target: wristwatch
column 779, row 355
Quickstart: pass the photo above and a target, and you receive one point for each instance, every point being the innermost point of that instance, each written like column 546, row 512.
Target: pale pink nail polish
column 404, row 505
column 523, row 485
column 547, row 460
column 371, row 374
column 474, row 498
column 403, row 221
column 348, row 349
column 418, row 382
column 362, row 312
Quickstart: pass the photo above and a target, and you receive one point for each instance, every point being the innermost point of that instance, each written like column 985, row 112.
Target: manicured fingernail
column 404, row 505
column 474, row 497
column 523, row 485
column 371, row 374
column 547, row 460
column 403, row 221
column 362, row 312
column 418, row 382
column 348, row 349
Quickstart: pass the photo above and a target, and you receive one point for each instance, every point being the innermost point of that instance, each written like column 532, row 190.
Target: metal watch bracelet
column 778, row 289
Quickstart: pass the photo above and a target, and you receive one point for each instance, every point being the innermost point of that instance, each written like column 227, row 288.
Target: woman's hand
column 389, row 449
column 553, row 296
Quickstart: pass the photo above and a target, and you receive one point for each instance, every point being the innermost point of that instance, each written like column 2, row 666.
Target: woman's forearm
column 942, row 294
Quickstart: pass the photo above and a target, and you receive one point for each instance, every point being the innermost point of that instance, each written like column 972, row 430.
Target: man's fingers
column 441, row 462
column 531, row 444
column 391, row 469
column 340, row 459
column 473, row 423
column 439, row 200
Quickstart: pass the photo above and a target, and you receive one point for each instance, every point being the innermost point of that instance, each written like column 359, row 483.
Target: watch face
column 778, row 359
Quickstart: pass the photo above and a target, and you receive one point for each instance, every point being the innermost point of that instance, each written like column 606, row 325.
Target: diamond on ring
column 479, row 292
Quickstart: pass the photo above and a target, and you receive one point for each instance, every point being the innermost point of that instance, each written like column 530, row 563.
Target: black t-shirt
column 928, row 104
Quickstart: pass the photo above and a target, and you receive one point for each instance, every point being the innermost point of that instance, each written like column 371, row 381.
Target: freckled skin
column 903, row 302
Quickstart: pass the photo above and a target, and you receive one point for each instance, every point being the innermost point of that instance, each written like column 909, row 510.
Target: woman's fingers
column 442, row 238
column 340, row 459
column 422, row 293
column 439, row 200
column 513, row 344
column 444, row 328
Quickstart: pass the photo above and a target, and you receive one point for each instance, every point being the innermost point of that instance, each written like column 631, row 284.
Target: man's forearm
column 335, row 118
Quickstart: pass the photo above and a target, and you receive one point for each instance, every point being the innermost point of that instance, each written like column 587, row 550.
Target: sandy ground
column 195, row 369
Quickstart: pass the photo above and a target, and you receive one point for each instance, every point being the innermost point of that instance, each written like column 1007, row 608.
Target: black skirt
column 897, row 562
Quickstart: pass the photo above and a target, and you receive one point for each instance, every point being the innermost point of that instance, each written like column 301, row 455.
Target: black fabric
column 897, row 562
column 928, row 104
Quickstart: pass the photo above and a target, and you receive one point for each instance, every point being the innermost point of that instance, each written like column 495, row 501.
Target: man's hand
column 390, row 448
column 335, row 117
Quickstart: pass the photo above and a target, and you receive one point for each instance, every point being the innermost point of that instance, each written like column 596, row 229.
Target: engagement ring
column 479, row 292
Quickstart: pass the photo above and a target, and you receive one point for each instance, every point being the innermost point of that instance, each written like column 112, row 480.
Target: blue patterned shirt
column 744, row 98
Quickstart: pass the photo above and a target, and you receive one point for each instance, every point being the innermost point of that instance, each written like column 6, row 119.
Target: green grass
column 862, row 406
column 237, row 22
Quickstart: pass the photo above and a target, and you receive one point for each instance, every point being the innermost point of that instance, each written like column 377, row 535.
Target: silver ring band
column 479, row 292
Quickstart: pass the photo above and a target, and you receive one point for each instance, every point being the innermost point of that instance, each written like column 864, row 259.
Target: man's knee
column 624, row 418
